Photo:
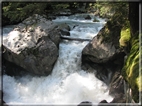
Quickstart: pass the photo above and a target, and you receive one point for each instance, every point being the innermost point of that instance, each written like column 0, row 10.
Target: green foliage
column 107, row 9
column 125, row 35
column 61, row 6
column 131, row 70
column 17, row 12
column 14, row 12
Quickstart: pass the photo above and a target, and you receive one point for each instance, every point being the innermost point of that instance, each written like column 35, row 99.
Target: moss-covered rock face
column 125, row 37
column 131, row 70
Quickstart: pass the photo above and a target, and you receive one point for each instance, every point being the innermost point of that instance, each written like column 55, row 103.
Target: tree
column 15, row 12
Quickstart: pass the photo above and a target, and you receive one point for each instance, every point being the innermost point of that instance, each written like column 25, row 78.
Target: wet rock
column 12, row 69
column 119, row 98
column 100, row 51
column 103, row 53
column 116, row 84
column 64, row 29
column 117, row 101
column 117, row 88
column 104, row 46
column 85, row 103
column 33, row 45
column 88, row 17
column 103, row 102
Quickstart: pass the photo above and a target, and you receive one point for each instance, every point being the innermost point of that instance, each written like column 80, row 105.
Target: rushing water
column 68, row 83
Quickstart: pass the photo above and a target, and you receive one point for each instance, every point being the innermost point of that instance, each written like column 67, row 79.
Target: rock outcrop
column 103, row 53
column 117, row 88
column 33, row 45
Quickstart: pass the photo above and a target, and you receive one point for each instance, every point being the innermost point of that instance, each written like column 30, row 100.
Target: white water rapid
column 68, row 83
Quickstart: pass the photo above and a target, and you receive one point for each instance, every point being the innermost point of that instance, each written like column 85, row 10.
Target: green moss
column 131, row 70
column 125, row 36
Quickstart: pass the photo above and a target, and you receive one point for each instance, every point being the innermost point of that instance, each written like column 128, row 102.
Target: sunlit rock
column 33, row 45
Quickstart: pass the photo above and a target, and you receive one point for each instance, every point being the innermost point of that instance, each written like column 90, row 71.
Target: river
column 68, row 83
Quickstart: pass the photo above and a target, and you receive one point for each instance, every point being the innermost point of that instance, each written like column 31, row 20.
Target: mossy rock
column 131, row 70
column 125, row 37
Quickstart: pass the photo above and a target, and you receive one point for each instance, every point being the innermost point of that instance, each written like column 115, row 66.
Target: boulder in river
column 103, row 52
column 88, row 17
column 33, row 45
column 64, row 29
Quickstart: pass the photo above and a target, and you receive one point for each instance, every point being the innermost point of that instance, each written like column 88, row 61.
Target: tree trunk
column 134, row 17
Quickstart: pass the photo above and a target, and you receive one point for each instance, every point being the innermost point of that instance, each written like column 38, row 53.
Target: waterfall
column 68, row 83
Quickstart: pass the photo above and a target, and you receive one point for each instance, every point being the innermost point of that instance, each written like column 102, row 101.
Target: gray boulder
column 64, row 29
column 104, row 46
column 33, row 45
column 99, row 52
column 103, row 53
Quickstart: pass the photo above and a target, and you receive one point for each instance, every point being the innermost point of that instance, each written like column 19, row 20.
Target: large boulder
column 103, row 53
column 33, row 45
column 104, row 46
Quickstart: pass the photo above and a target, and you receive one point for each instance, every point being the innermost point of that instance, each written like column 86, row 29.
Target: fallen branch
column 78, row 39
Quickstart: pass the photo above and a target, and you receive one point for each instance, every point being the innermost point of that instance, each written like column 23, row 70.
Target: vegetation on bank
column 125, row 35
column 131, row 70
column 15, row 12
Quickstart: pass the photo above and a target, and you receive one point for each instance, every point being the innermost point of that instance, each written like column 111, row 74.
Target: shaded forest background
column 15, row 12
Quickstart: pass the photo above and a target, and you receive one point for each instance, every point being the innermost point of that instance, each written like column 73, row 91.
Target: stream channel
column 68, row 83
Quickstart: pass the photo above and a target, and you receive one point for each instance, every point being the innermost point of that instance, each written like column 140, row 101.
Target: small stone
column 85, row 103
column 88, row 17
